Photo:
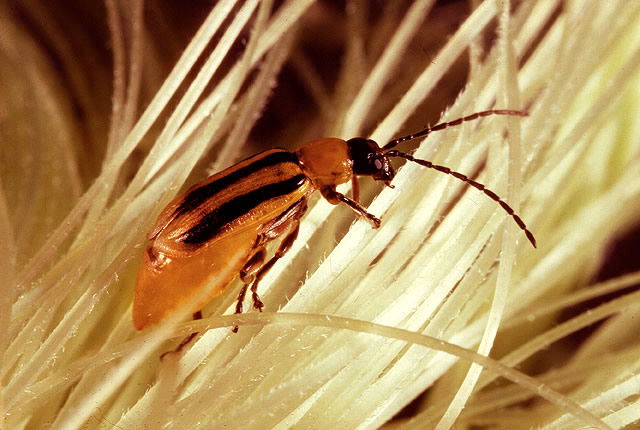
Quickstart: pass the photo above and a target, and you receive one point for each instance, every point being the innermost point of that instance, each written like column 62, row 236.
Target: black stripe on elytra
column 212, row 223
column 201, row 194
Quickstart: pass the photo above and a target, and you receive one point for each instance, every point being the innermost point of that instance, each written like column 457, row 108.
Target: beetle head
column 370, row 160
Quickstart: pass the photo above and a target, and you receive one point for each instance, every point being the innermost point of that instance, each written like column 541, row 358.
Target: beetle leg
column 355, row 189
column 334, row 197
column 186, row 340
column 243, row 292
column 248, row 275
column 285, row 246
column 256, row 268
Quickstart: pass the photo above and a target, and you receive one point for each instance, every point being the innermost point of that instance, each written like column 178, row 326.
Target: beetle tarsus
column 257, row 303
column 375, row 222
column 241, row 295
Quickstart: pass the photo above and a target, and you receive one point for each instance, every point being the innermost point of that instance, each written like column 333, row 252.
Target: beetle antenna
column 443, row 125
column 464, row 178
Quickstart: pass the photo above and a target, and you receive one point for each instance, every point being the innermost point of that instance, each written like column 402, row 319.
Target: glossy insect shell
column 327, row 162
column 198, row 231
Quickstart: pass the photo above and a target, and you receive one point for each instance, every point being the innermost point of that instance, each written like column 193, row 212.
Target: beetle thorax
column 326, row 161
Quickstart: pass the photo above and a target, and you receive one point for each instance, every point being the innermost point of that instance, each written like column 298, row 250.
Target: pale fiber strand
column 253, row 103
column 511, row 99
column 384, row 68
column 320, row 320
column 7, row 280
column 119, row 72
column 573, row 325
column 166, row 146
column 311, row 320
column 354, row 66
column 117, row 375
column 124, row 105
column 136, row 56
column 572, row 298
column 623, row 417
column 180, row 70
column 117, row 105
column 313, row 82
column 560, row 379
column 603, row 401
column 431, row 76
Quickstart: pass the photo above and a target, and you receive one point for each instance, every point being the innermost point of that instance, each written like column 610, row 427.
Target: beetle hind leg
column 186, row 340
column 248, row 275
column 288, row 223
column 255, row 271
column 284, row 247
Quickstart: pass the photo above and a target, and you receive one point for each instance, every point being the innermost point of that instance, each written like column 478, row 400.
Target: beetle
column 262, row 198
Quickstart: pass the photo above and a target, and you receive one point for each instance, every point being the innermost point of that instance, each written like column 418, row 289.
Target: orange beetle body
column 258, row 200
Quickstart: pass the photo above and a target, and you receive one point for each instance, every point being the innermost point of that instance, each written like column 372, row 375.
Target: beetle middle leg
column 355, row 189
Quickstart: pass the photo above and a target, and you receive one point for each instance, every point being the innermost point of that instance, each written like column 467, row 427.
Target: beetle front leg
column 334, row 197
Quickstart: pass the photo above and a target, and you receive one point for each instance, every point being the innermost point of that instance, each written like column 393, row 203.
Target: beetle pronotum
column 256, row 201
